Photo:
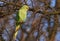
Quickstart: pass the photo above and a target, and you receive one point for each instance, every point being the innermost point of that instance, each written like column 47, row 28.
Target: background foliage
column 42, row 24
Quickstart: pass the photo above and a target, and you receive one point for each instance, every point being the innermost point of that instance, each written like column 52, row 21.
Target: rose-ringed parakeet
column 20, row 17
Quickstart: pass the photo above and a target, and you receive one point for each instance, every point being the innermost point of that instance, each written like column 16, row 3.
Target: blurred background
column 42, row 23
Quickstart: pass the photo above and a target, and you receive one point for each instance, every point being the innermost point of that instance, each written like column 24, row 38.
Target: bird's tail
column 16, row 32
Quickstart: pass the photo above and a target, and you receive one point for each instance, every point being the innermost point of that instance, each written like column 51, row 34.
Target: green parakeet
column 20, row 17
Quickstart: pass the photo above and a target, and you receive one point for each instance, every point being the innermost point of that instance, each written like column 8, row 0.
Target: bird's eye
column 27, row 8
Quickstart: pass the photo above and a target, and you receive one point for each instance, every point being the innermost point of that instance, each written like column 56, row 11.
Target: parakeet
column 20, row 17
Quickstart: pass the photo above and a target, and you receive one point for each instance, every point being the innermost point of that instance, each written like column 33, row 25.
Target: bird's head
column 26, row 7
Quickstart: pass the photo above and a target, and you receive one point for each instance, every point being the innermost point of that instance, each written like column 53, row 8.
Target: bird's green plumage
column 17, row 19
column 20, row 17
column 22, row 14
